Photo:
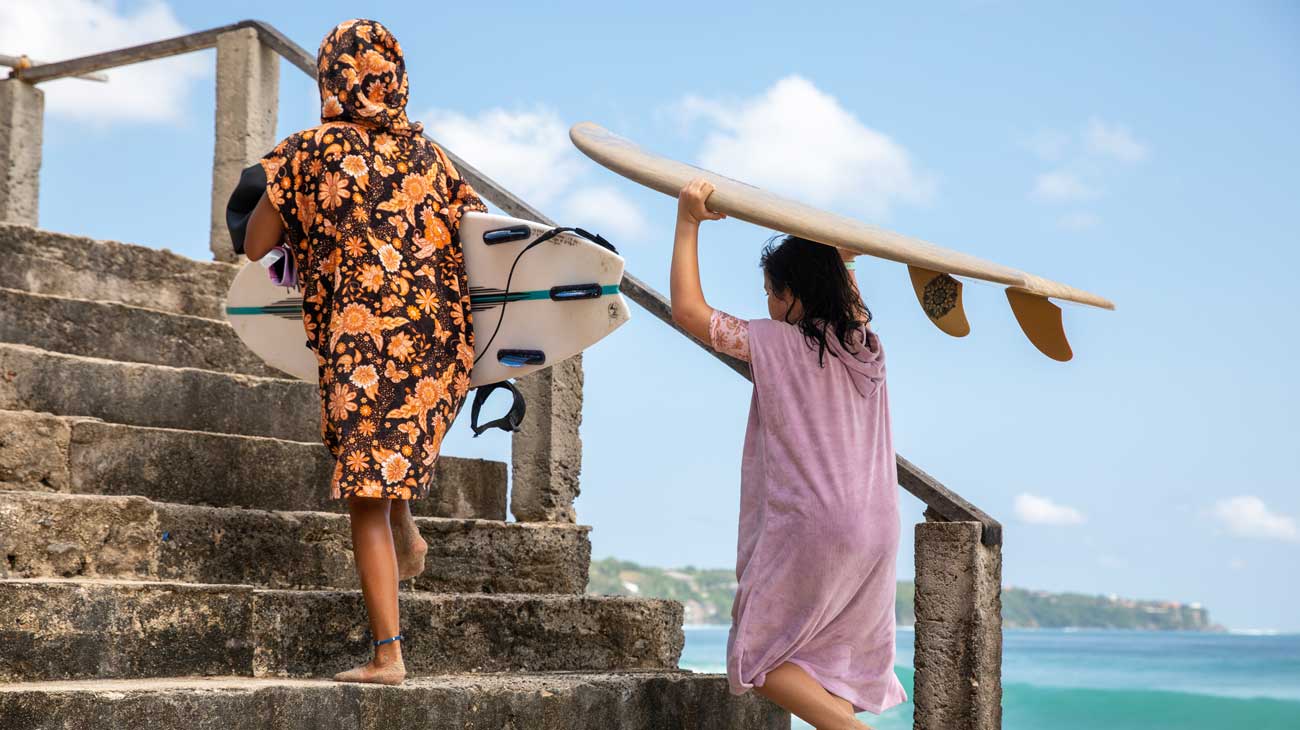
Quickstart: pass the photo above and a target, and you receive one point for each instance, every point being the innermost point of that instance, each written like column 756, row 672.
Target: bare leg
column 411, row 547
column 372, row 546
column 792, row 688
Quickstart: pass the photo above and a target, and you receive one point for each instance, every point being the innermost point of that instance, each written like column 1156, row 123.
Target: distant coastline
column 707, row 594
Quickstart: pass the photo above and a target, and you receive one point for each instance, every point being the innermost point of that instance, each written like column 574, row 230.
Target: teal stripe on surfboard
column 477, row 300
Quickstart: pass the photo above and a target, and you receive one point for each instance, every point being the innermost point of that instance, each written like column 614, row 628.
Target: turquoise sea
column 1117, row 680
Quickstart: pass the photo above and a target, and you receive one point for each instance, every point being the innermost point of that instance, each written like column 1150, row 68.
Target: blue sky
column 1145, row 153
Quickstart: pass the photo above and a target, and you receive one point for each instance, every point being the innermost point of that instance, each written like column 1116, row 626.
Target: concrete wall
column 248, row 92
column 546, row 453
column 958, row 652
column 22, row 108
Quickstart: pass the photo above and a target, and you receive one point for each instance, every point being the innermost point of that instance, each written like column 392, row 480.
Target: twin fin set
column 933, row 269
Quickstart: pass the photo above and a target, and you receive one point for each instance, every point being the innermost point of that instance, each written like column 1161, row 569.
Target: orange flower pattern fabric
column 371, row 210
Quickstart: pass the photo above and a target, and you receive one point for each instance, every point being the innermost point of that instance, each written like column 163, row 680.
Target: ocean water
column 1118, row 680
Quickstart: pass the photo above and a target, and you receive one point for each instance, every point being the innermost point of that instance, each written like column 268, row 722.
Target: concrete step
column 107, row 629
column 659, row 700
column 46, row 262
column 70, row 454
column 157, row 395
column 66, row 535
column 123, row 332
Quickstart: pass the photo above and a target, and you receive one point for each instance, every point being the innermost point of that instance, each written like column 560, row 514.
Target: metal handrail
column 943, row 503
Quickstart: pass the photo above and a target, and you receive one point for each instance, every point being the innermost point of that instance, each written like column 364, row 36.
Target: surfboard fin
column 1040, row 320
column 940, row 298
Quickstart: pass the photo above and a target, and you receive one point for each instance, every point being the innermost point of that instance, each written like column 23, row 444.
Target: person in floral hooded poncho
column 371, row 211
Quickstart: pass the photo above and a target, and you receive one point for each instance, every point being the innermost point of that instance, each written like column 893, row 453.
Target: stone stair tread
column 87, row 455
column 63, row 628
column 664, row 699
column 147, row 394
column 45, row 534
column 51, row 262
column 527, row 681
column 48, row 296
column 413, row 595
column 129, row 363
column 125, row 332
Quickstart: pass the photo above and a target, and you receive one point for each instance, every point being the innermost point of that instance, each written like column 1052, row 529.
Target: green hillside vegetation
column 706, row 595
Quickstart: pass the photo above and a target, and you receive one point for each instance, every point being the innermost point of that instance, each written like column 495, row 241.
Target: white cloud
column 798, row 140
column 1113, row 140
column 55, row 30
column 1079, row 221
column 529, row 153
column 1048, row 145
column 1083, row 161
column 1248, row 516
column 1042, row 511
column 526, row 151
column 1062, row 186
column 606, row 209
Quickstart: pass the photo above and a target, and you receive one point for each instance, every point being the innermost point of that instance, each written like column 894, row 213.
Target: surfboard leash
column 595, row 238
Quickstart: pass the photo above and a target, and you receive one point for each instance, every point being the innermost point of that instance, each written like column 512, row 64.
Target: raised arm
column 690, row 310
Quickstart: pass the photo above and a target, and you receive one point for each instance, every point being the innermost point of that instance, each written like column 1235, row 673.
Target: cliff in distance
column 707, row 595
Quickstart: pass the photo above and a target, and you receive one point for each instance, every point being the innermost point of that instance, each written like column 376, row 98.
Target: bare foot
column 373, row 673
column 410, row 546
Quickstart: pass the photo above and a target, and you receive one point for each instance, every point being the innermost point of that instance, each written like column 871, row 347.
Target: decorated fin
column 1040, row 320
column 940, row 297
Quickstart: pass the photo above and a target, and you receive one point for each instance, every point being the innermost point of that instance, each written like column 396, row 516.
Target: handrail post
column 22, row 111
column 248, row 92
column 546, row 452
column 958, row 631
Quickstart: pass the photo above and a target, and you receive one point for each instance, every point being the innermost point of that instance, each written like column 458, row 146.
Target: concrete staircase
column 169, row 556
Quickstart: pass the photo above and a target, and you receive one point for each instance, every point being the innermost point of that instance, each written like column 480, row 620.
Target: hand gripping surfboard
column 932, row 268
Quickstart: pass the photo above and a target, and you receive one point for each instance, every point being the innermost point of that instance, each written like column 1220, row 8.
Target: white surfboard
column 563, row 298
column 931, row 268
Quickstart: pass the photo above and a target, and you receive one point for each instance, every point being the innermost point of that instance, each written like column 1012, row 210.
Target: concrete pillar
column 248, row 92
column 958, row 651
column 22, row 112
column 546, row 452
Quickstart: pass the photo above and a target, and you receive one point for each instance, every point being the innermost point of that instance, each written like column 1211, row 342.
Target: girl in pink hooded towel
column 813, row 621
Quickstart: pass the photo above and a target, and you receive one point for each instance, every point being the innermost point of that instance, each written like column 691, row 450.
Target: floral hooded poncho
column 371, row 211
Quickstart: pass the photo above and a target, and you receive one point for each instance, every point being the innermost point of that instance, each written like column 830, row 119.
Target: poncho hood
column 362, row 77
column 864, row 359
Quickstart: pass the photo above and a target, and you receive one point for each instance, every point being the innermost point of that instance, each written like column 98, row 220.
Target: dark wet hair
column 815, row 274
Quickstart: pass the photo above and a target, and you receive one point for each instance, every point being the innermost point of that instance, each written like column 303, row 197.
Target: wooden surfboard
column 562, row 298
column 932, row 268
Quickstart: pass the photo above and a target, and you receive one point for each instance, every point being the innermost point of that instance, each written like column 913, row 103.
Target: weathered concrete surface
column 46, row 262
column 65, row 629
column 317, row 633
column 43, row 452
column 958, row 652
column 22, row 125
column 127, row 333
column 141, row 394
column 79, row 629
column 248, row 93
column 660, row 700
column 546, row 453
column 69, row 536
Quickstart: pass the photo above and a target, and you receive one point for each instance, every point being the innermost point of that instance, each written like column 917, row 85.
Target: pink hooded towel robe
column 818, row 517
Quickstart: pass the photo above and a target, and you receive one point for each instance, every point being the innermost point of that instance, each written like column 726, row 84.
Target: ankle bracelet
column 388, row 640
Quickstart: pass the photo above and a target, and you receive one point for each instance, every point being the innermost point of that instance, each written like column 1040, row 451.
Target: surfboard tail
column 1040, row 320
column 940, row 297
